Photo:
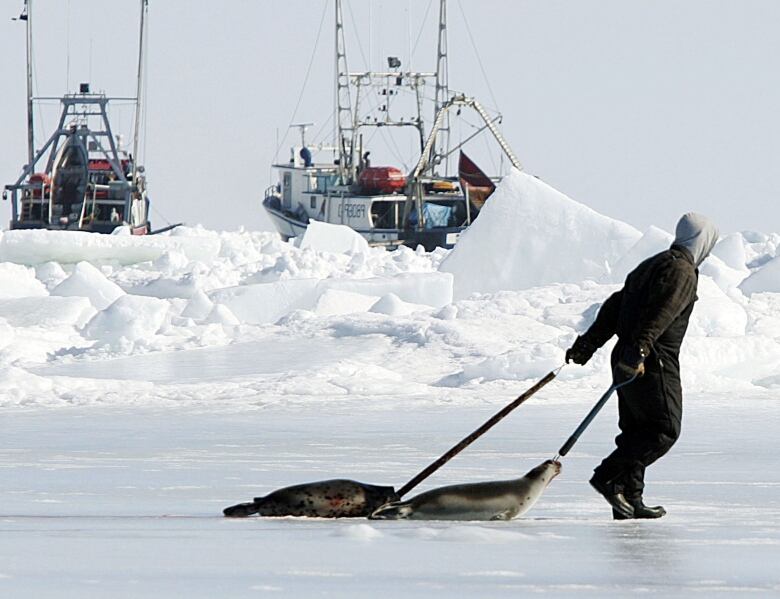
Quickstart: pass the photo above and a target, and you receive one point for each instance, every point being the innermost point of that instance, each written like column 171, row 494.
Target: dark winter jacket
column 650, row 316
column 652, row 310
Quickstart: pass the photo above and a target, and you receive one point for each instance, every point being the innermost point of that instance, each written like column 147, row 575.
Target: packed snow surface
column 146, row 383
column 530, row 234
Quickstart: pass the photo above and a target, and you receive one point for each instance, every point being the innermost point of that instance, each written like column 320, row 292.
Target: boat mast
column 27, row 17
column 442, row 91
column 144, row 9
column 344, row 117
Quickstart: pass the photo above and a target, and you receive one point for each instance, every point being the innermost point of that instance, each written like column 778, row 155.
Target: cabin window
column 385, row 215
column 325, row 182
column 313, row 204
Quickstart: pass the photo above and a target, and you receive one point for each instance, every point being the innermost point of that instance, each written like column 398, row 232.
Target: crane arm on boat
column 425, row 156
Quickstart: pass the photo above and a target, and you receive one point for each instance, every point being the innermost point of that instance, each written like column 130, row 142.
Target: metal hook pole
column 589, row 418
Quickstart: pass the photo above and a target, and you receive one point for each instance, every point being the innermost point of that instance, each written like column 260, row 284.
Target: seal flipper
column 241, row 510
column 506, row 515
column 396, row 510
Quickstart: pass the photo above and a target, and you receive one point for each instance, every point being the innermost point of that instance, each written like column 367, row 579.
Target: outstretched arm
column 599, row 332
column 605, row 325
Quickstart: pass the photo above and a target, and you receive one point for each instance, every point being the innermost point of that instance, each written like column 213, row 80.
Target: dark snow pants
column 650, row 410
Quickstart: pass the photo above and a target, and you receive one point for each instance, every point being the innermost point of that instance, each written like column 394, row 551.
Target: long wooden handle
column 474, row 436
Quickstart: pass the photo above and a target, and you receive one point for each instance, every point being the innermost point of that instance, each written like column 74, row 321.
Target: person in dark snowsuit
column 649, row 315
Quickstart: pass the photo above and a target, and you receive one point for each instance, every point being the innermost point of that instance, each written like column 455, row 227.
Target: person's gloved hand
column 581, row 351
column 631, row 364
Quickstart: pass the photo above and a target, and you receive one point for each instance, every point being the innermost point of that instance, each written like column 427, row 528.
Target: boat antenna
column 302, row 127
column 136, row 129
column 344, row 118
column 442, row 90
column 26, row 16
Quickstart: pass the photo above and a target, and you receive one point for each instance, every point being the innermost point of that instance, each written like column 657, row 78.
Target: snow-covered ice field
column 146, row 384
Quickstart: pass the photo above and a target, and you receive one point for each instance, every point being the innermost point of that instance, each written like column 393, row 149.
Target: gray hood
column 697, row 234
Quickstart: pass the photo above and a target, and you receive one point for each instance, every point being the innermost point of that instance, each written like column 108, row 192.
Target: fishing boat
column 82, row 178
column 337, row 183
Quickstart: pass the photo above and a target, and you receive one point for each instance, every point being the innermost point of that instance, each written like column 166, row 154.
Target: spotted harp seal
column 337, row 498
column 495, row 500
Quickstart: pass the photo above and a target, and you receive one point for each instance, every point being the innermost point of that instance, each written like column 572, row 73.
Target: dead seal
column 494, row 500
column 337, row 498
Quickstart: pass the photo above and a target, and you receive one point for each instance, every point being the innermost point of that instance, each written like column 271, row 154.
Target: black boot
column 616, row 499
column 641, row 511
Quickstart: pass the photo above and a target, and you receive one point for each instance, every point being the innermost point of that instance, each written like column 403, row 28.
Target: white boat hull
column 289, row 227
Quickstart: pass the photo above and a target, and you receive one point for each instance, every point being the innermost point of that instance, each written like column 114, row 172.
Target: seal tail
column 396, row 510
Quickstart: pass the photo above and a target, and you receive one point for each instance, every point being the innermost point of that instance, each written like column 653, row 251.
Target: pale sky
column 641, row 110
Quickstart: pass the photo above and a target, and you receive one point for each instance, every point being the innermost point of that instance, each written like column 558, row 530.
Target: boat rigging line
column 479, row 58
column 162, row 216
column 26, row 16
column 305, row 82
column 477, row 131
column 67, row 47
column 145, row 113
column 37, row 88
column 422, row 28
column 420, row 32
column 139, row 88
column 393, row 147
column 367, row 63
column 319, row 135
column 490, row 154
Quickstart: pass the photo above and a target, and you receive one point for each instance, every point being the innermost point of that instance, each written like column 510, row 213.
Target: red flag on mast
column 474, row 183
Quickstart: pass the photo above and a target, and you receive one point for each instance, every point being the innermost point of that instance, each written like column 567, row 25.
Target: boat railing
column 25, row 195
column 83, row 212
column 42, row 194
column 51, row 204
